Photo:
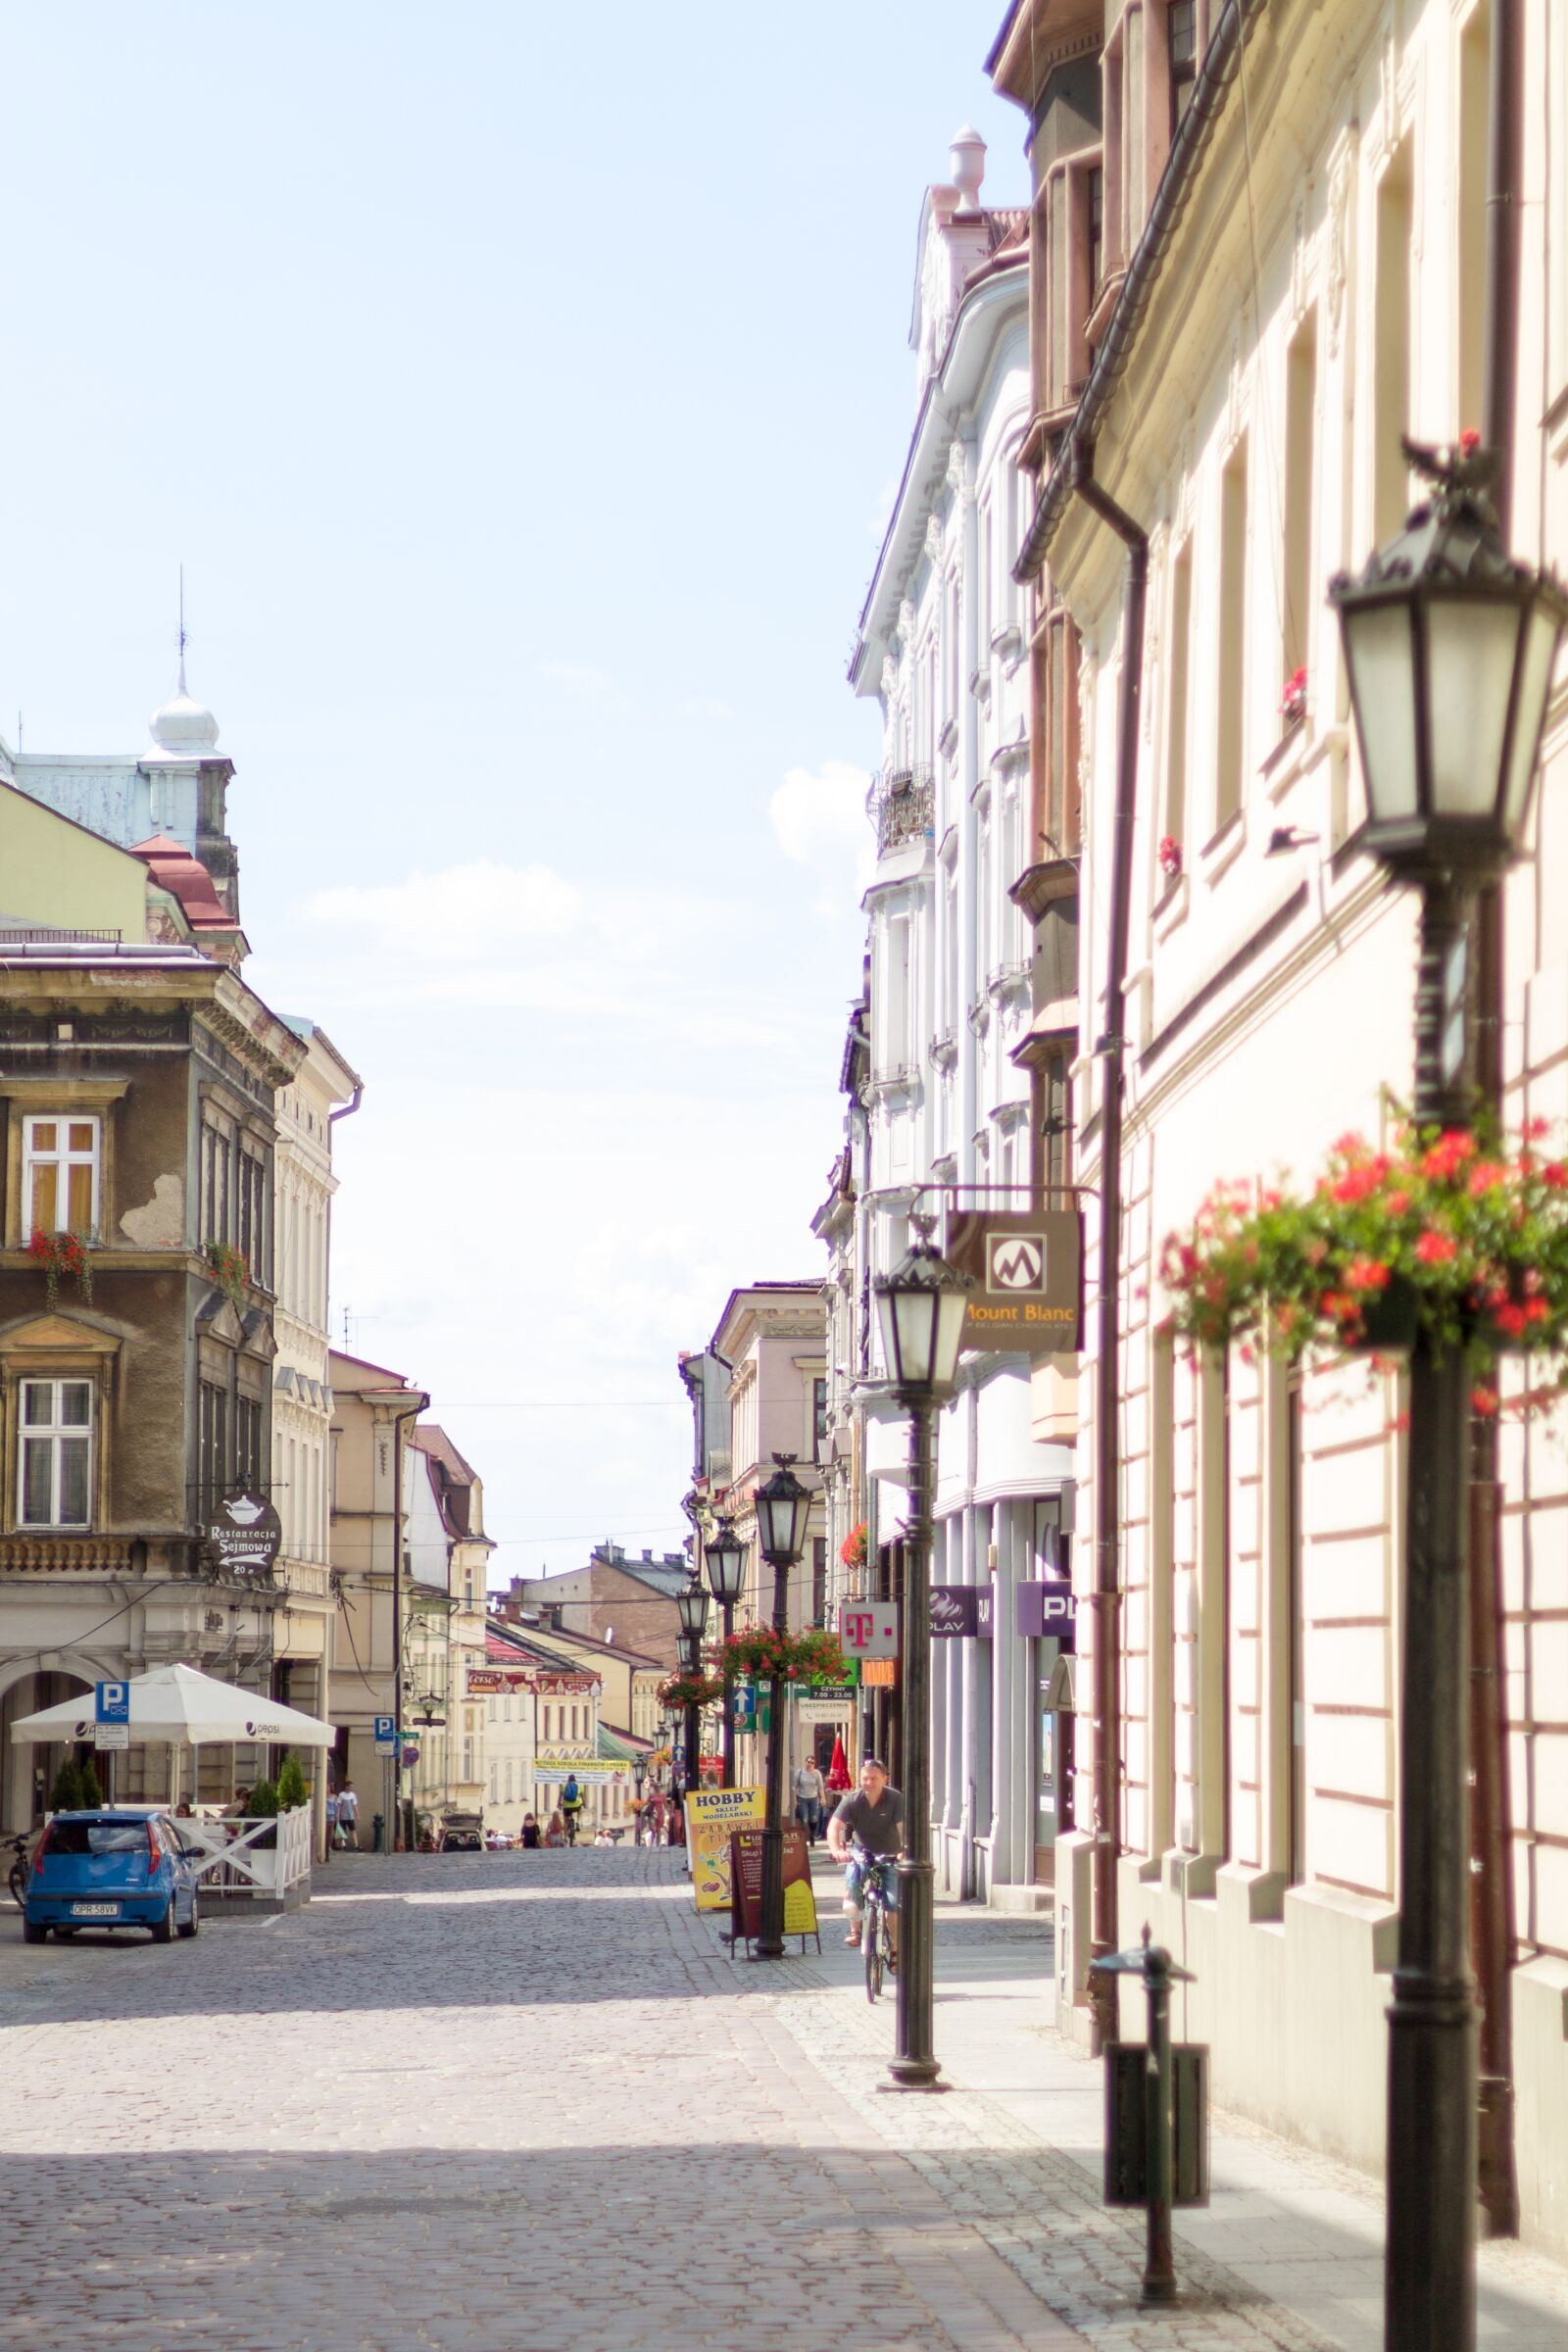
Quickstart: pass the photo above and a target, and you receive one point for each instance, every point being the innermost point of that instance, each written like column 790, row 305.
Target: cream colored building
column 373, row 1411
column 447, row 1556
column 1235, row 375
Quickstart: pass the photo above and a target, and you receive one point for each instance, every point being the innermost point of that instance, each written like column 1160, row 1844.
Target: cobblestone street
column 525, row 2100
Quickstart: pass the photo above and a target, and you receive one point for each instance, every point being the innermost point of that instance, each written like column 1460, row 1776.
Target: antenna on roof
column 183, row 628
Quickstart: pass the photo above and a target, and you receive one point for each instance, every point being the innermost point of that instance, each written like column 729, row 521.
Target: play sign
column 1049, row 1606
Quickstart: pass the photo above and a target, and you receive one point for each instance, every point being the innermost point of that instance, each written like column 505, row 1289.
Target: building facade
column 954, row 1046
column 1258, row 258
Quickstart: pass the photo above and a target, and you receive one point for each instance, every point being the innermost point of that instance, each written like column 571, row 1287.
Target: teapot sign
column 246, row 1533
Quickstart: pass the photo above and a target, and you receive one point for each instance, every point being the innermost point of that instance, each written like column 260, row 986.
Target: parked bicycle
column 21, row 1869
column 877, row 1926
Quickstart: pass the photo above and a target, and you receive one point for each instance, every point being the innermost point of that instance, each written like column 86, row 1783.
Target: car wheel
column 193, row 1925
column 33, row 1931
column 164, row 1925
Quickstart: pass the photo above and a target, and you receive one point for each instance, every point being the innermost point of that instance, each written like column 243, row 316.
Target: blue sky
column 523, row 391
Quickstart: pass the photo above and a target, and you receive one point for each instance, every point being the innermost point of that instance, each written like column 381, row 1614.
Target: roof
column 591, row 1643
column 175, row 870
column 621, row 1747
column 362, row 1363
column 505, row 1648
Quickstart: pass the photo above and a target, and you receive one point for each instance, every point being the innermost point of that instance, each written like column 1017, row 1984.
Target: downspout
column 1492, row 1900
column 1112, row 1050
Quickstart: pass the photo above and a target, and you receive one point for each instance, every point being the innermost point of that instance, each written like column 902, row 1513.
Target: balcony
column 901, row 806
column 48, row 1554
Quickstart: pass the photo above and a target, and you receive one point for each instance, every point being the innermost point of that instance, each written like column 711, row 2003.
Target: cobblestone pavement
column 463, row 2102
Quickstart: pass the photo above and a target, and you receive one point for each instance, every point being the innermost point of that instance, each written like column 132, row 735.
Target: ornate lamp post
column 724, row 1559
column 1450, row 646
column 783, row 1507
column 691, row 1608
column 920, row 1304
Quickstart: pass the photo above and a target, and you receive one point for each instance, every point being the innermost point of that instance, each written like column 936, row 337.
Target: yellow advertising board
column 710, row 1816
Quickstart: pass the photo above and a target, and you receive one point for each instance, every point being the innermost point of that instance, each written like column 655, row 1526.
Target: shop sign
column 745, row 1880
column 711, row 1815
column 551, row 1764
column 881, row 1674
column 247, row 1534
column 868, row 1629
column 1027, row 1270
column 954, row 1611
column 1049, row 1606
column 825, row 1702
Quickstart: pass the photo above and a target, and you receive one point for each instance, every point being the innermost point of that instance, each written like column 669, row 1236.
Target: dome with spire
column 183, row 727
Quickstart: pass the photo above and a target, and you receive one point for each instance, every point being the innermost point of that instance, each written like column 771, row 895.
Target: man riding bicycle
column 871, row 1817
column 572, row 1807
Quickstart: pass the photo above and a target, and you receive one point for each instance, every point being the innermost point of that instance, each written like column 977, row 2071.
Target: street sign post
column 386, row 1733
column 115, row 1736
column 112, row 1703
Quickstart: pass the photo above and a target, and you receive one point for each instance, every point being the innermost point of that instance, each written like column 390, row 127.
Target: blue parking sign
column 386, row 1730
column 113, row 1702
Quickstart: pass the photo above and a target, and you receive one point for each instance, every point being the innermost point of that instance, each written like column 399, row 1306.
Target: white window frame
column 62, row 1160
column 52, row 1432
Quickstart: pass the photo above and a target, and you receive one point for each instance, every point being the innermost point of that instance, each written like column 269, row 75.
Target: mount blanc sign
column 1027, row 1268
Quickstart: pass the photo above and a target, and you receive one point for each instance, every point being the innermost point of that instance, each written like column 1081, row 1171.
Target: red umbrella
column 837, row 1772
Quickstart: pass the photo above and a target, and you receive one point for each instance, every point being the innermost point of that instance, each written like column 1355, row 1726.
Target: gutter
column 1221, row 63
column 1111, row 1049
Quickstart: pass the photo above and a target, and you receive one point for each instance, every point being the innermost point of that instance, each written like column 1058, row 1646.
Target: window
column 214, row 1442
column 215, row 1185
column 819, row 1580
column 1391, row 351
column 60, row 1175
column 251, row 1215
column 1095, row 206
column 818, row 1418
column 1300, row 400
column 1181, row 640
column 1230, row 749
column 56, row 1453
column 248, row 1442
column 1182, row 58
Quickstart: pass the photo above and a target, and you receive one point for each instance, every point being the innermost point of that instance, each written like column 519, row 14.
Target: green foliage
column 291, row 1788
column 65, row 1794
column 1474, row 1234
column 262, row 1803
column 91, row 1792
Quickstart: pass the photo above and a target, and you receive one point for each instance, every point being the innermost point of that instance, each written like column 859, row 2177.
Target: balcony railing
column 902, row 805
column 46, row 1554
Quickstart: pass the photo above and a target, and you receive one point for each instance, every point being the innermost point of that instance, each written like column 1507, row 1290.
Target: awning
column 1062, row 1698
column 176, row 1703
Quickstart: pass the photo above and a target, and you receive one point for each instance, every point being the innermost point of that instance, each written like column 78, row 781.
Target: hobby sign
column 1027, row 1268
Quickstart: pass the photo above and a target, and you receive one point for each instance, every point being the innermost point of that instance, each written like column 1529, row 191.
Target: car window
column 97, row 1838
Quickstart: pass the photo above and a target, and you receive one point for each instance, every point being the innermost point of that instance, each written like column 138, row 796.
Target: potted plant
column 230, row 1270
column 1292, row 703
column 1447, row 1234
column 854, row 1550
column 759, row 1655
column 61, row 1254
column 679, row 1691
column 1170, row 857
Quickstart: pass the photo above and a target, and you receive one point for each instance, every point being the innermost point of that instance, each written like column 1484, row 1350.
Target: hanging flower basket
column 1292, row 703
column 230, row 1270
column 690, row 1691
column 759, row 1654
column 1170, row 856
column 61, row 1254
column 1447, row 1236
column 853, row 1550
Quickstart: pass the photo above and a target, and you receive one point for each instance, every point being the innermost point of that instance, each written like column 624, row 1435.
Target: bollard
column 1140, row 2144
column 378, row 1825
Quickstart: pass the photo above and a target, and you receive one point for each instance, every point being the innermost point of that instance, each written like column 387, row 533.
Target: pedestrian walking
column 332, row 1820
column 810, row 1794
column 530, row 1832
column 555, row 1831
column 348, row 1815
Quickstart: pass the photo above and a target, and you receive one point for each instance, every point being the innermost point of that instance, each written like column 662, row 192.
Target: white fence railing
column 251, row 1857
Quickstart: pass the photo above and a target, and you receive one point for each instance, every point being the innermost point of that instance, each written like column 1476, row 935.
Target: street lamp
column 1450, row 646
column 921, row 1307
column 691, row 1608
column 783, row 1507
column 724, row 1559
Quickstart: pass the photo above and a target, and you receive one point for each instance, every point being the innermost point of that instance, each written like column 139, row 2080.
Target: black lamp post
column 921, row 1305
column 724, row 1559
column 692, row 1608
column 1450, row 646
column 783, row 1507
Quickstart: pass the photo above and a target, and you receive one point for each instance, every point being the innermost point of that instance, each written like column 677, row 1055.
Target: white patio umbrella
column 187, row 1709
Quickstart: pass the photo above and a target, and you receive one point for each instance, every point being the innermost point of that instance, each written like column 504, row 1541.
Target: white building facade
column 1313, row 288
column 948, row 1092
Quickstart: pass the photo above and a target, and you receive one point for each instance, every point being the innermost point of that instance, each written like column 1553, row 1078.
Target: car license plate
column 95, row 1910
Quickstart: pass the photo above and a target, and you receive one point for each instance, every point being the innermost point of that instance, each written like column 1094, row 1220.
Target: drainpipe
column 1492, row 1900
column 1112, row 1050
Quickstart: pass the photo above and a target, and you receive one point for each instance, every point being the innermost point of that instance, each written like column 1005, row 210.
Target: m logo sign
column 1015, row 1262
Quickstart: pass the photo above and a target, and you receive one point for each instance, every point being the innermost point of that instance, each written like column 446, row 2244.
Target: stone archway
column 25, row 1685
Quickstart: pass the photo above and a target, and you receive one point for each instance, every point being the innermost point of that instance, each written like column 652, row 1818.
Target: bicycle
column 568, row 1822
column 20, row 1870
column 876, row 1920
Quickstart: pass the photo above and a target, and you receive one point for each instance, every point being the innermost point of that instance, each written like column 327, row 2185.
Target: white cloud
column 461, row 912
column 578, row 677
column 819, row 819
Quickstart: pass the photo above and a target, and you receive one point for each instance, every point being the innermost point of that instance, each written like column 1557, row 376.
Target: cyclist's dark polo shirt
column 881, row 1826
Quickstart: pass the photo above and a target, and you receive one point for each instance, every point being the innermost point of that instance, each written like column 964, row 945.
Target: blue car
column 111, row 1869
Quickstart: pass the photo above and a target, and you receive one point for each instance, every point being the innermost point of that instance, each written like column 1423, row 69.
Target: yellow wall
column 56, row 873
